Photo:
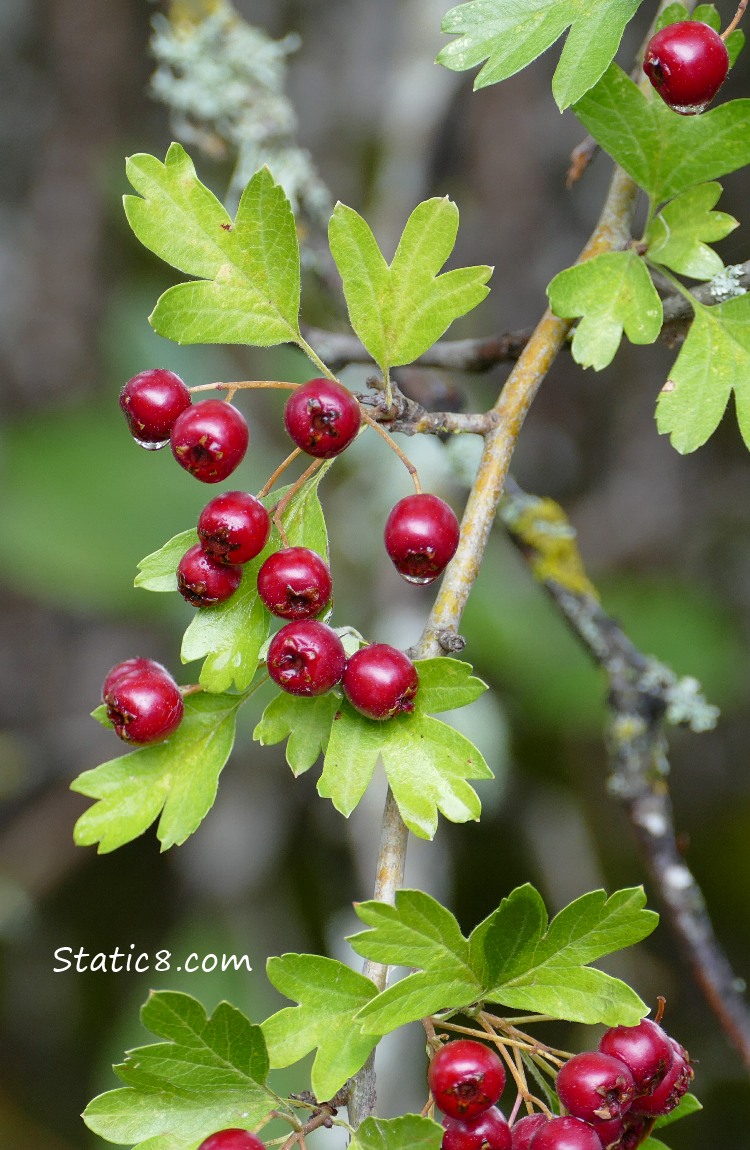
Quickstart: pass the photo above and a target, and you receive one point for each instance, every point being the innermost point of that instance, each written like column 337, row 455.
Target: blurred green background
column 273, row 868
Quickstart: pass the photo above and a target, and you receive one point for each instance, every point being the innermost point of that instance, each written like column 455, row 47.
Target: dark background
column 273, row 868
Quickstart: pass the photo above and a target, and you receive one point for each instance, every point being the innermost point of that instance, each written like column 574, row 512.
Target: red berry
column 232, row 1140
column 234, row 527
column 380, row 681
column 687, row 63
column 306, row 658
column 204, row 581
column 120, row 670
column 322, row 418
column 644, row 1048
column 294, row 583
column 566, row 1134
column 465, row 1078
column 670, row 1090
column 488, row 1131
column 524, row 1129
column 421, row 537
column 210, row 439
column 637, row 1126
column 151, row 402
column 610, row 1132
column 144, row 706
column 594, row 1085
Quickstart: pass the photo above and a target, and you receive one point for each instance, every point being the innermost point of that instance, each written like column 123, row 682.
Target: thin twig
column 279, row 472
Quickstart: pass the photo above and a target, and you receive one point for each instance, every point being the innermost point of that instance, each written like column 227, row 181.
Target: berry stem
column 278, row 472
column 394, row 447
column 283, row 503
column 243, row 385
column 735, row 20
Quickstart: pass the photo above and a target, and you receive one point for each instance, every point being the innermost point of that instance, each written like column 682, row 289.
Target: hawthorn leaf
column 421, row 933
column 672, row 14
column 531, row 965
column 329, row 995
column 399, row 311
column 653, row 1144
column 409, row 1132
column 248, row 285
column 445, row 684
column 158, row 571
column 687, row 1105
column 174, row 781
column 664, row 152
column 306, row 723
column 678, row 237
column 612, row 293
column 207, row 1075
column 713, row 361
column 509, row 36
column 427, row 763
column 100, row 714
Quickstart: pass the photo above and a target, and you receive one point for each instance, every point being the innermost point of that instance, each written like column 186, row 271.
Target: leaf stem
column 313, row 355
column 394, row 447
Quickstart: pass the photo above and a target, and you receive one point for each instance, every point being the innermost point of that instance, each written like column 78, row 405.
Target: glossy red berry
column 380, row 682
column 644, row 1048
column 127, row 667
column 234, row 527
column 294, row 583
column 210, row 439
column 151, row 402
column 675, row 1083
column 144, row 706
column 687, row 63
column 232, row 1140
column 566, row 1134
column 594, row 1085
column 488, row 1131
column 306, row 658
column 610, row 1132
column 421, row 537
column 204, row 581
column 465, row 1078
column 322, row 418
column 524, row 1129
column 637, row 1126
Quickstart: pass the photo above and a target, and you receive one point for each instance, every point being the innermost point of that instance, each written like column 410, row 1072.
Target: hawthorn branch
column 643, row 696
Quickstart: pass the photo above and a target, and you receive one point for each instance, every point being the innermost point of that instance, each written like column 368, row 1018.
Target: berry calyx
column 232, row 1140
column 128, row 667
column 644, row 1048
column 465, row 1078
column 294, row 583
column 380, row 682
column 203, row 581
column 566, row 1134
column 322, row 418
column 489, row 1130
column 306, row 658
column 210, row 439
column 594, row 1085
column 151, row 402
column 234, row 527
column 144, row 706
column 421, row 537
column 524, row 1129
column 687, row 63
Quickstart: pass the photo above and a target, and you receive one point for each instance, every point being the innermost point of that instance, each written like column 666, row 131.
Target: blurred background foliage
column 274, row 869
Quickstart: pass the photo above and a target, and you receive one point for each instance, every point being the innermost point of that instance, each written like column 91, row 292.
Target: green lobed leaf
column 248, row 288
column 532, row 966
column 427, row 763
column 306, row 723
column 100, row 715
column 515, row 958
column 207, row 1075
column 664, row 152
column 400, row 311
column 176, row 779
column 158, row 571
column 613, row 293
column 679, row 235
column 687, row 1105
column 713, row 361
column 409, row 1132
column 509, row 36
column 329, row 995
column 672, row 14
column 445, row 684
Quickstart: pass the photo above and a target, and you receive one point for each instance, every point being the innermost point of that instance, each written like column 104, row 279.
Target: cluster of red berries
column 687, row 63
column 306, row 657
column 612, row 1095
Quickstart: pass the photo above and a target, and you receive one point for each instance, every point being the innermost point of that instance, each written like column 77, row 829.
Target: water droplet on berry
column 151, row 446
column 419, row 580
